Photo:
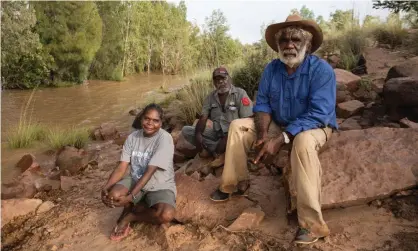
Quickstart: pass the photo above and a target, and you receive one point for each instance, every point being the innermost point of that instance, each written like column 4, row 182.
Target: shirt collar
column 302, row 69
column 232, row 90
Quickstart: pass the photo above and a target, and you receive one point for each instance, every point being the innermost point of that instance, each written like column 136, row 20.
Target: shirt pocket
column 274, row 96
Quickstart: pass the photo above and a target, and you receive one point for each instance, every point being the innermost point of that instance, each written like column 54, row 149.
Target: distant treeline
column 51, row 43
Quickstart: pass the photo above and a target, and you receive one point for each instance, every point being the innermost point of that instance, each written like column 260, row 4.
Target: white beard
column 291, row 61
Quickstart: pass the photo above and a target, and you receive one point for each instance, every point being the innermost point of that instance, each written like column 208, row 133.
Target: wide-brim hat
column 295, row 20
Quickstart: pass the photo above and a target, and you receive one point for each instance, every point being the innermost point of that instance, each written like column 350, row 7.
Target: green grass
column 57, row 137
column 25, row 136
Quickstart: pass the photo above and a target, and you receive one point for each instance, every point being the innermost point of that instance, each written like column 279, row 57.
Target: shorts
column 149, row 197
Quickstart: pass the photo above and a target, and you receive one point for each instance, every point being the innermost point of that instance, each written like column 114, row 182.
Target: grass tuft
column 74, row 136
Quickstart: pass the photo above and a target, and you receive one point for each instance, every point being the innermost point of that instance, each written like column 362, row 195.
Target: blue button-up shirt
column 301, row 101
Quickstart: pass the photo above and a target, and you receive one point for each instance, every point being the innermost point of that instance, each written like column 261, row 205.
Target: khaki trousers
column 305, row 165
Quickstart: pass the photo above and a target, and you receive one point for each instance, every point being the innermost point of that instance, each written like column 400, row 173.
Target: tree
column 396, row 6
column 322, row 23
column 108, row 61
column 71, row 32
column 304, row 12
column 24, row 63
column 343, row 19
column 370, row 21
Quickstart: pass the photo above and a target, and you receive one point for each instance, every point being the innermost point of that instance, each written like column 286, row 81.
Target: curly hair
column 137, row 122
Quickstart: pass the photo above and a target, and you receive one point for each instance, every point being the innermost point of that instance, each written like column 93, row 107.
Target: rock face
column 185, row 147
column 109, row 157
column 348, row 79
column 350, row 124
column 106, row 131
column 27, row 161
column 363, row 165
column 17, row 207
column 71, row 160
column 194, row 204
column 250, row 218
column 349, row 108
column 401, row 97
column 407, row 69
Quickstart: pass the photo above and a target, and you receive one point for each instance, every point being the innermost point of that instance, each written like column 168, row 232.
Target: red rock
column 10, row 191
column 377, row 85
column 268, row 193
column 349, row 108
column 197, row 164
column 343, row 96
column 108, row 131
column 408, row 123
column 249, row 219
column 45, row 184
column 264, row 172
column 121, row 140
column 401, row 95
column 176, row 135
column 282, row 159
column 409, row 68
column 178, row 157
column 72, row 160
column 13, row 208
column 185, row 147
column 218, row 172
column 363, row 165
column 195, row 175
column 333, row 60
column 67, row 183
column 27, row 161
column 109, row 157
column 350, row 124
column 45, row 207
column 347, row 78
column 195, row 206
column 97, row 135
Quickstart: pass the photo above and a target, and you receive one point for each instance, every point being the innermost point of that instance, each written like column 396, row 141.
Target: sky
column 245, row 17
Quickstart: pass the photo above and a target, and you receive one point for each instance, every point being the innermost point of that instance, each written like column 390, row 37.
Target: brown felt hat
column 295, row 20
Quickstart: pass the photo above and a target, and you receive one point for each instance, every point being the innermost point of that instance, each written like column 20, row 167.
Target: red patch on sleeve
column 245, row 101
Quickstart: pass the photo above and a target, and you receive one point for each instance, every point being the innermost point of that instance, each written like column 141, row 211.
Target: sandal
column 122, row 234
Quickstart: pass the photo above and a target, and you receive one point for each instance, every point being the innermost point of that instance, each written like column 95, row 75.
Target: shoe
column 218, row 196
column 304, row 236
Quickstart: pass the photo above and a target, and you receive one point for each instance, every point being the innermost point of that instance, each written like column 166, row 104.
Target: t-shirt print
column 139, row 161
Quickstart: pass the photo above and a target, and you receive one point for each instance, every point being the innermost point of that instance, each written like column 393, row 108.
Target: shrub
column 248, row 76
column 192, row 97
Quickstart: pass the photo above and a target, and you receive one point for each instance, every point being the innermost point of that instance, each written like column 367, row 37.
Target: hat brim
column 220, row 74
column 311, row 26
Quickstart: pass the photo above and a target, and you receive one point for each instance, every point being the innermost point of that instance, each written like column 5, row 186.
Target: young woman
column 148, row 193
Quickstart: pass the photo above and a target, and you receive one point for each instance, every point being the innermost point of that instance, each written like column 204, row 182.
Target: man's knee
column 167, row 214
column 303, row 142
column 236, row 125
column 188, row 132
column 117, row 191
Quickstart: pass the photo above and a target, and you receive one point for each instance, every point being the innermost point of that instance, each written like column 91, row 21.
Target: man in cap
column 296, row 99
column 222, row 106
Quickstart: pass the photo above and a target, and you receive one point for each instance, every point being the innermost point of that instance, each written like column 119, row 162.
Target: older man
column 222, row 106
column 296, row 98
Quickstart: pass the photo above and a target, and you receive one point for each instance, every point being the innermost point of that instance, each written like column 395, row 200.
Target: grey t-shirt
column 157, row 150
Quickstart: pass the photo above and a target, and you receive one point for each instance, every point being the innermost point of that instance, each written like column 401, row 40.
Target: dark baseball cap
column 220, row 71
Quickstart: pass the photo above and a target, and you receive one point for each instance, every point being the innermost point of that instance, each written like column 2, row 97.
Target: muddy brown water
column 86, row 105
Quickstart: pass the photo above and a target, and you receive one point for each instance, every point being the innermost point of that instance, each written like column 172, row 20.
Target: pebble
column 53, row 248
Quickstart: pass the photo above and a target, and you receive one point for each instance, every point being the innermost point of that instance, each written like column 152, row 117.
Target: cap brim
column 311, row 26
column 220, row 74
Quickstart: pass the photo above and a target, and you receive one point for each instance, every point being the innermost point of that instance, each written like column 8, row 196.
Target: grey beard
column 292, row 62
column 223, row 90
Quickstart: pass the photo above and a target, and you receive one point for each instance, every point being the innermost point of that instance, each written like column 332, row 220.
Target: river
column 86, row 105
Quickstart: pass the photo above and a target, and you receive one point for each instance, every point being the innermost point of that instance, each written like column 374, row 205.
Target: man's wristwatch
column 286, row 138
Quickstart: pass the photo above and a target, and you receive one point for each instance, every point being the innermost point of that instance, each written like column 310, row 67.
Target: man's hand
column 123, row 201
column 271, row 147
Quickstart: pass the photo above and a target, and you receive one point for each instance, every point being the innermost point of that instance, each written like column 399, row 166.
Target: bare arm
column 200, row 126
column 262, row 121
column 117, row 174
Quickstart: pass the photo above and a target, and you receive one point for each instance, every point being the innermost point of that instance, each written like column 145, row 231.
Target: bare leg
column 160, row 213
